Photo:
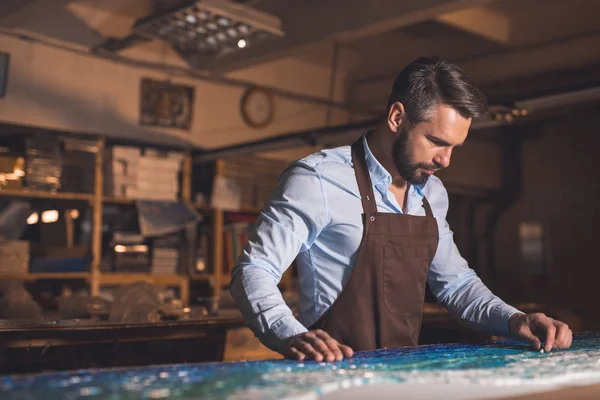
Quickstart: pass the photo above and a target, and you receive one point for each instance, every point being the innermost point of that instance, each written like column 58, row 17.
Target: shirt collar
column 380, row 175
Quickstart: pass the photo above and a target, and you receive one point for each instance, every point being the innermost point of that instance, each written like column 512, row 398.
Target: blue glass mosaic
column 495, row 363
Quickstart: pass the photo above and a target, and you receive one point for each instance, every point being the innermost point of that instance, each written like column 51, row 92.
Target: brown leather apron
column 381, row 305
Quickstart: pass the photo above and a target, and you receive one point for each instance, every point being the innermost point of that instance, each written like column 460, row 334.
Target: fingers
column 320, row 346
column 299, row 349
column 347, row 351
column 525, row 333
column 536, row 327
column 550, row 334
column 340, row 350
column 309, row 350
column 541, row 326
column 331, row 344
column 294, row 354
column 316, row 345
column 564, row 335
column 569, row 339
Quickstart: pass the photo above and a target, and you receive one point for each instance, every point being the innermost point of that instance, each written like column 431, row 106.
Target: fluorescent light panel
column 211, row 27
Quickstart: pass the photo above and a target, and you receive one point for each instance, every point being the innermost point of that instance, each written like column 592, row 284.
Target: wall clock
column 257, row 107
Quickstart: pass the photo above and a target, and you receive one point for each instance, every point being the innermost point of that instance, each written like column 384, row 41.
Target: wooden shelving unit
column 216, row 280
column 27, row 194
column 115, row 278
column 124, row 278
column 95, row 277
column 32, row 276
column 117, row 200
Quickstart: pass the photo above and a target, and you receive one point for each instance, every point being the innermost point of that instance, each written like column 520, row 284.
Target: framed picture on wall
column 165, row 104
column 4, row 58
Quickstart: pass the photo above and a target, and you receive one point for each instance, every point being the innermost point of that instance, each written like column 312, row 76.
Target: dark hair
column 428, row 82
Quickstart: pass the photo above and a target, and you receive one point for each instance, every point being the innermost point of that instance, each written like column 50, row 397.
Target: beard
column 414, row 173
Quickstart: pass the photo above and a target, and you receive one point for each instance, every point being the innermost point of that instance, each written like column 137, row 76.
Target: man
column 367, row 224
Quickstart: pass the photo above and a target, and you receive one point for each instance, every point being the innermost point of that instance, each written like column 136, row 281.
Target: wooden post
column 186, row 181
column 218, row 221
column 184, row 288
column 69, row 228
column 218, row 250
column 97, row 219
column 189, row 253
column 219, row 167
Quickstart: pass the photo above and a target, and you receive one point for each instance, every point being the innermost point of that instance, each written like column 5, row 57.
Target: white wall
column 59, row 89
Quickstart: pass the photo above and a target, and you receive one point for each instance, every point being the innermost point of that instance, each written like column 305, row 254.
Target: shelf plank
column 201, row 278
column 203, row 207
column 245, row 210
column 32, row 276
column 46, row 195
column 252, row 210
column 209, row 208
column 116, row 278
column 122, row 200
column 118, row 200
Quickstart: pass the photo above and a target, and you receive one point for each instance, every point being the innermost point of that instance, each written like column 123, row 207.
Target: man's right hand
column 316, row 345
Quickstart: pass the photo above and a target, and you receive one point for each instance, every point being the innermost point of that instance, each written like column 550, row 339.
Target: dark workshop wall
column 561, row 189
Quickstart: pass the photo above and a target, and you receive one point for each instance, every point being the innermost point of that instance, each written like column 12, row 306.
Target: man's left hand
column 537, row 327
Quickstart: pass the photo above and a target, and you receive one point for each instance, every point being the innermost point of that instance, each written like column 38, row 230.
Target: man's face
column 426, row 147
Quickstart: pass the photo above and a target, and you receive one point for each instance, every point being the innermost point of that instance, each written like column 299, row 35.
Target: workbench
column 27, row 347
column 496, row 369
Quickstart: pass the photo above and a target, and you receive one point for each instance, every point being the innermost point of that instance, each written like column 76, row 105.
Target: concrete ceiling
column 496, row 42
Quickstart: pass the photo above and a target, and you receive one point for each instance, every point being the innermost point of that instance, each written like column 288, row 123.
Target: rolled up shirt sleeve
column 289, row 224
column 456, row 286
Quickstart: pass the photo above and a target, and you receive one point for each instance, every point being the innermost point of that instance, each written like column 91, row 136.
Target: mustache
column 431, row 167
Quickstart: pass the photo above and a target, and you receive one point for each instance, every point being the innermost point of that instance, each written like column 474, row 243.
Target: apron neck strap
column 364, row 180
column 362, row 177
column 427, row 207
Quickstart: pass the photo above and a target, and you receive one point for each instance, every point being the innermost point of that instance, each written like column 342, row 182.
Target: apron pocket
column 404, row 276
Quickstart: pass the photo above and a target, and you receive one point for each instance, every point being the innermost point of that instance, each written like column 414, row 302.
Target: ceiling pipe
column 311, row 137
column 323, row 136
column 520, row 111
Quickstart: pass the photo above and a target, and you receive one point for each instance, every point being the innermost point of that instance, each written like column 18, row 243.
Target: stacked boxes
column 79, row 159
column 44, row 162
column 120, row 175
column 165, row 255
column 151, row 176
column 158, row 176
column 12, row 171
column 130, row 253
column 14, row 256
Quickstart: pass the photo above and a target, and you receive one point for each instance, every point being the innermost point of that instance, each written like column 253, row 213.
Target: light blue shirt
column 315, row 214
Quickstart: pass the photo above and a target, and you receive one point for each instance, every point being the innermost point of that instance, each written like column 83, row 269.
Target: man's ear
column 396, row 116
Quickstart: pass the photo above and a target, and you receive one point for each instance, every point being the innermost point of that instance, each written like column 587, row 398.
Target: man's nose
column 442, row 159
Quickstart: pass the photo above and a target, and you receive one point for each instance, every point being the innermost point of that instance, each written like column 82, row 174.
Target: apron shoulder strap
column 427, row 207
column 362, row 177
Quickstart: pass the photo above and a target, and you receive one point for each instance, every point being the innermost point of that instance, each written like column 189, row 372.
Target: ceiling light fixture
column 196, row 26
